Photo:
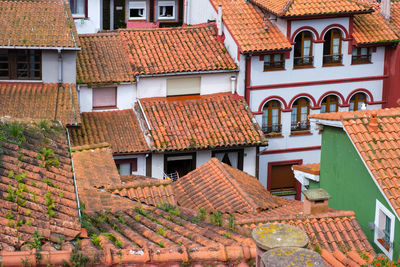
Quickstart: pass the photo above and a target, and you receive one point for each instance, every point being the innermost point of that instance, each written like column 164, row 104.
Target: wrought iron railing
column 300, row 126
column 333, row 59
column 304, row 61
column 273, row 128
column 361, row 59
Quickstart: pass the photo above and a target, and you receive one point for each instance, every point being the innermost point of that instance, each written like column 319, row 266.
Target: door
column 119, row 14
column 281, row 180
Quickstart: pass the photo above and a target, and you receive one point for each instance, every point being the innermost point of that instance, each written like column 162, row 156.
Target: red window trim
column 279, row 163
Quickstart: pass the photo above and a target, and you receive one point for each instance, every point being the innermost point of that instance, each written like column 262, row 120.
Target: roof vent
column 373, row 123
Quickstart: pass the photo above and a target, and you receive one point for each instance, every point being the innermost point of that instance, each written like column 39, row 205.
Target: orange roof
column 339, row 259
column 378, row 146
column 40, row 23
column 217, row 120
column 295, row 8
column 180, row 49
column 36, row 194
column 312, row 168
column 215, row 186
column 103, row 60
column 331, row 231
column 250, row 30
column 40, row 101
column 119, row 128
column 395, row 15
column 149, row 191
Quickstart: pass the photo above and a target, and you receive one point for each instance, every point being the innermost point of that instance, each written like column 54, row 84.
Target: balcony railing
column 304, row 61
column 274, row 128
column 172, row 176
column 300, row 126
column 332, row 59
column 361, row 59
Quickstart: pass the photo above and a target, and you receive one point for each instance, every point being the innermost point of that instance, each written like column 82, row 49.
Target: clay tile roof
column 339, row 259
column 312, row 168
column 379, row 147
column 149, row 191
column 102, row 59
column 246, row 23
column 395, row 15
column 331, row 231
column 119, row 128
column 36, row 193
column 295, row 8
column 40, row 101
column 39, row 23
column 169, row 236
column 218, row 120
column 215, row 186
column 374, row 28
column 180, row 49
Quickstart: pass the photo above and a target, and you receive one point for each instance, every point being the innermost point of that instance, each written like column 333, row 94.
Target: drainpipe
column 73, row 174
column 60, row 66
column 186, row 12
column 111, row 14
column 233, row 84
column 144, row 115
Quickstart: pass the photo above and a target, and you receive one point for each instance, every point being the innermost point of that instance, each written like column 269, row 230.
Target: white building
column 296, row 60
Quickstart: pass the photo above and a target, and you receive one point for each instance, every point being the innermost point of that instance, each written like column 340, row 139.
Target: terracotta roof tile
column 395, row 15
column 149, row 191
column 378, row 146
column 248, row 27
column 339, row 259
column 215, row 186
column 312, row 168
column 36, row 188
column 40, row 101
column 119, row 128
column 103, row 60
column 180, row 49
column 217, row 120
column 294, row 8
column 40, row 23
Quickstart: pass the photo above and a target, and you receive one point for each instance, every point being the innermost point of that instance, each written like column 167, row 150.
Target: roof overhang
column 40, row 47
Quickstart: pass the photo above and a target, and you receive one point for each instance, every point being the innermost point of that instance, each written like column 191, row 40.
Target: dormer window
column 333, row 47
column 21, row 64
column 77, row 8
column 166, row 10
column 303, row 56
column 361, row 55
column 137, row 10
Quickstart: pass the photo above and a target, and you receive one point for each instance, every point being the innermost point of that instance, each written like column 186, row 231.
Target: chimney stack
column 315, row 201
column 373, row 123
column 219, row 21
column 385, row 9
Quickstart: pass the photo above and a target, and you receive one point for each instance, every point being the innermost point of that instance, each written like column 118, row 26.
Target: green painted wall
column 345, row 177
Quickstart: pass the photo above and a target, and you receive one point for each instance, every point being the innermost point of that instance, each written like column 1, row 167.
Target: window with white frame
column 137, row 10
column 384, row 229
column 166, row 9
column 77, row 7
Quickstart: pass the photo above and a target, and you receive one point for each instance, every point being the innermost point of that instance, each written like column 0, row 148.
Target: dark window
column 361, row 55
column 303, row 50
column 329, row 104
column 357, row 101
column 274, row 62
column 126, row 166
column 300, row 112
column 333, row 47
column 233, row 158
column 78, row 7
column 178, row 165
column 20, row 64
column 271, row 119
column 105, row 97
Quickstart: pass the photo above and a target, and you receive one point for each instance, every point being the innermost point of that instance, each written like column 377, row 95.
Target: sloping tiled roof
column 119, row 128
column 295, row 8
column 39, row 23
column 149, row 191
column 40, row 101
column 331, row 231
column 218, row 120
column 181, row 49
column 374, row 28
column 339, row 259
column 215, row 186
column 378, row 146
column 102, row 59
column 395, row 15
column 249, row 29
column 312, row 168
column 36, row 188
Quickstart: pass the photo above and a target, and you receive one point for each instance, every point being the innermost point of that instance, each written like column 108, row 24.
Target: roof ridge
column 197, row 26
column 89, row 147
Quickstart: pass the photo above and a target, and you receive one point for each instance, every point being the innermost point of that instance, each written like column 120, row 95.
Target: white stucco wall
column 50, row 66
column 210, row 84
column 126, row 97
column 94, row 21
column 141, row 163
column 199, row 11
column 202, row 157
column 157, row 166
column 249, row 160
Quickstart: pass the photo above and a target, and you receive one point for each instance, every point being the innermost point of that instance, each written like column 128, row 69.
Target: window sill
column 79, row 17
column 296, row 133
column 303, row 67
column 360, row 63
column 141, row 19
column 333, row 65
column 101, row 108
column 278, row 135
column 278, row 69
column 21, row 81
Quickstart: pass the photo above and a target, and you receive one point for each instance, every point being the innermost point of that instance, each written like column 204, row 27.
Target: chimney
column 315, row 201
column 385, row 9
column 220, row 36
column 373, row 123
column 233, row 84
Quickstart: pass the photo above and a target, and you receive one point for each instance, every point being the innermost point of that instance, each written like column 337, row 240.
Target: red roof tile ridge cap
column 98, row 34
column 103, row 112
column 83, row 148
column 166, row 99
column 136, row 184
column 188, row 27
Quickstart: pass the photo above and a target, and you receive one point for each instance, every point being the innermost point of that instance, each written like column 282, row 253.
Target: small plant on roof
column 140, row 210
column 120, row 219
column 216, row 218
column 10, row 196
column 10, row 174
column 96, row 240
column 50, row 204
column 232, row 222
column 36, row 241
column 161, row 231
column 110, row 236
column 161, row 244
column 76, row 259
column 202, row 214
column 227, row 235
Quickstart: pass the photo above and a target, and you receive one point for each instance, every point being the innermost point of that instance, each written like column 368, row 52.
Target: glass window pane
column 124, row 169
column 277, row 57
column 323, row 109
column 354, row 52
column 364, row 51
column 332, row 108
column 351, row 107
column 267, row 58
column 265, row 118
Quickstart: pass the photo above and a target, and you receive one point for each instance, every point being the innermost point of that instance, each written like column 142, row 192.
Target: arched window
column 271, row 119
column 303, row 49
column 329, row 104
column 300, row 112
column 357, row 100
column 333, row 47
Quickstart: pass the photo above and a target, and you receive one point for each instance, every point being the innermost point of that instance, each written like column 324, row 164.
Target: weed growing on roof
column 232, row 222
column 10, row 218
column 227, row 235
column 49, row 183
column 21, row 157
column 202, row 214
column 110, row 236
column 10, row 174
column 216, row 218
column 161, row 244
column 76, row 259
column 140, row 210
column 28, row 222
column 161, row 231
column 95, row 240
column 60, row 195
column 195, row 220
column 10, row 196
column 50, row 204
column 50, row 159
column 120, row 219
column 171, row 209
column 36, row 241
column 137, row 217
column 27, row 212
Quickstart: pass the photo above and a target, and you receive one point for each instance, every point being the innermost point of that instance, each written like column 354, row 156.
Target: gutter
column 73, row 174
column 185, row 73
column 40, row 47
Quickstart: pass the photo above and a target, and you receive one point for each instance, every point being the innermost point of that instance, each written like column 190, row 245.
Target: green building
column 360, row 169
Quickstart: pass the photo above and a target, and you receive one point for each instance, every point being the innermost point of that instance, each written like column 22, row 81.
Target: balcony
column 332, row 60
column 272, row 129
column 300, row 126
column 361, row 59
column 304, row 62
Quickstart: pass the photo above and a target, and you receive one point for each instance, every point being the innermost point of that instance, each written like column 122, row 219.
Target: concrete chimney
column 233, row 84
column 385, row 8
column 315, row 201
column 373, row 123
column 219, row 21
